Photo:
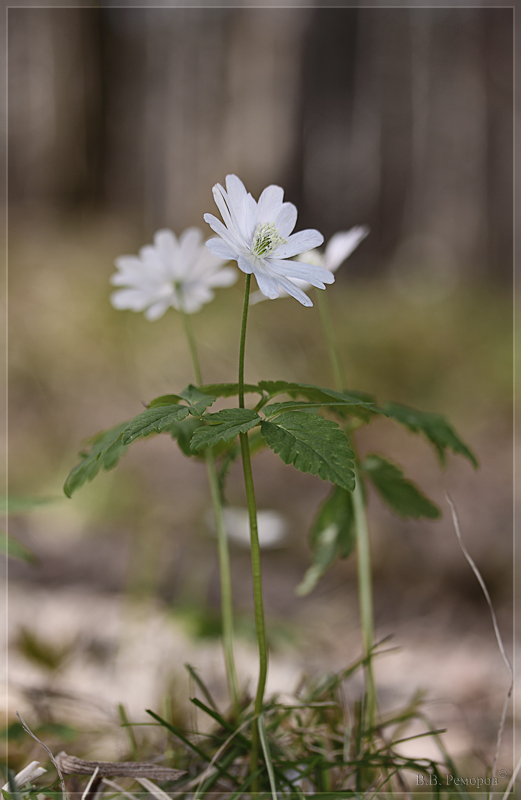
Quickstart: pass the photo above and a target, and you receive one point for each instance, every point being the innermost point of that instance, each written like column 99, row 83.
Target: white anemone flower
column 339, row 247
column 27, row 775
column 172, row 272
column 258, row 235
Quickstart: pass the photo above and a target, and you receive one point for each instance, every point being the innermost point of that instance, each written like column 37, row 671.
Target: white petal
column 270, row 202
column 316, row 276
column 132, row 299
column 267, row 284
column 245, row 265
column 251, row 218
column 237, row 200
column 219, row 195
column 286, row 219
column 257, row 297
column 189, row 244
column 167, row 247
column 220, row 249
column 342, row 244
column 298, row 242
column 230, row 237
column 225, row 277
column 293, row 290
column 156, row 310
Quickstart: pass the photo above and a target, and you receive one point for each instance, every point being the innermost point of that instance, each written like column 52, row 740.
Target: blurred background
column 120, row 120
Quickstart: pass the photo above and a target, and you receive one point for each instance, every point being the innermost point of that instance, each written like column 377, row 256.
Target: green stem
column 363, row 548
column 222, row 544
column 255, row 551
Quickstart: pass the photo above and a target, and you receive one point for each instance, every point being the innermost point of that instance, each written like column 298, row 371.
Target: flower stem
column 363, row 548
column 222, row 544
column 255, row 550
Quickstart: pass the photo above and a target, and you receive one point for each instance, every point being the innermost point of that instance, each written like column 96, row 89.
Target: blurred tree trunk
column 396, row 117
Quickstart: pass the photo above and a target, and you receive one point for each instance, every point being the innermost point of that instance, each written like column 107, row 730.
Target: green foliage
column 198, row 401
column 400, row 494
column 105, row 452
column 153, row 420
column 313, row 444
column 435, row 427
column 357, row 404
column 224, row 426
column 11, row 547
column 183, row 432
column 332, row 536
column 228, row 389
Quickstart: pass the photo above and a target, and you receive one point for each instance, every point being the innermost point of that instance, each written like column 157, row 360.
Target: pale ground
column 140, row 652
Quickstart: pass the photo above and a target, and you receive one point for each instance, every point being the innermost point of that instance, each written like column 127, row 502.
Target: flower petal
column 167, row 246
column 245, row 265
column 316, row 276
column 267, row 284
column 132, row 299
column 156, row 310
column 342, row 244
column 298, row 243
column 270, row 203
column 293, row 290
column 286, row 219
column 220, row 249
column 225, row 277
column 231, row 239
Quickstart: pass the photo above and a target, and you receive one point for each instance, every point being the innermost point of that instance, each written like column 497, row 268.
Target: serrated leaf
column 106, row 449
column 332, row 536
column 358, row 404
column 164, row 400
column 312, row 444
column 400, row 494
column 153, row 420
column 11, row 547
column 197, row 399
column 223, row 426
column 435, row 427
column 228, row 389
column 302, row 405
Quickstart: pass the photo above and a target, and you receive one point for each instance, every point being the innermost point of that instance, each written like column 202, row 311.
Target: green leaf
column 106, row 450
column 228, row 389
column 400, row 494
column 10, row 547
column 153, row 420
column 297, row 405
column 183, row 432
column 223, row 426
column 332, row 536
column 198, row 400
column 358, row 404
column 434, row 427
column 164, row 400
column 313, row 444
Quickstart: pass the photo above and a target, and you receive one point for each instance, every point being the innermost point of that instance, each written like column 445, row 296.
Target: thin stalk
column 255, row 552
column 363, row 548
column 222, row 544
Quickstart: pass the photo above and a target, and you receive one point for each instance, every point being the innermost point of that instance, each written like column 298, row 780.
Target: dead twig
column 117, row 769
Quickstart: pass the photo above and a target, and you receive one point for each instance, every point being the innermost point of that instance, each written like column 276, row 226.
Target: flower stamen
column 266, row 239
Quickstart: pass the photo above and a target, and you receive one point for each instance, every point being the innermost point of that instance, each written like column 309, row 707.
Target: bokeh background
column 120, row 120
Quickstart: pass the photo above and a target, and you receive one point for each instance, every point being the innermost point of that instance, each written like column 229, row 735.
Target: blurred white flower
column 258, row 236
column 27, row 775
column 339, row 247
column 272, row 526
column 172, row 272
